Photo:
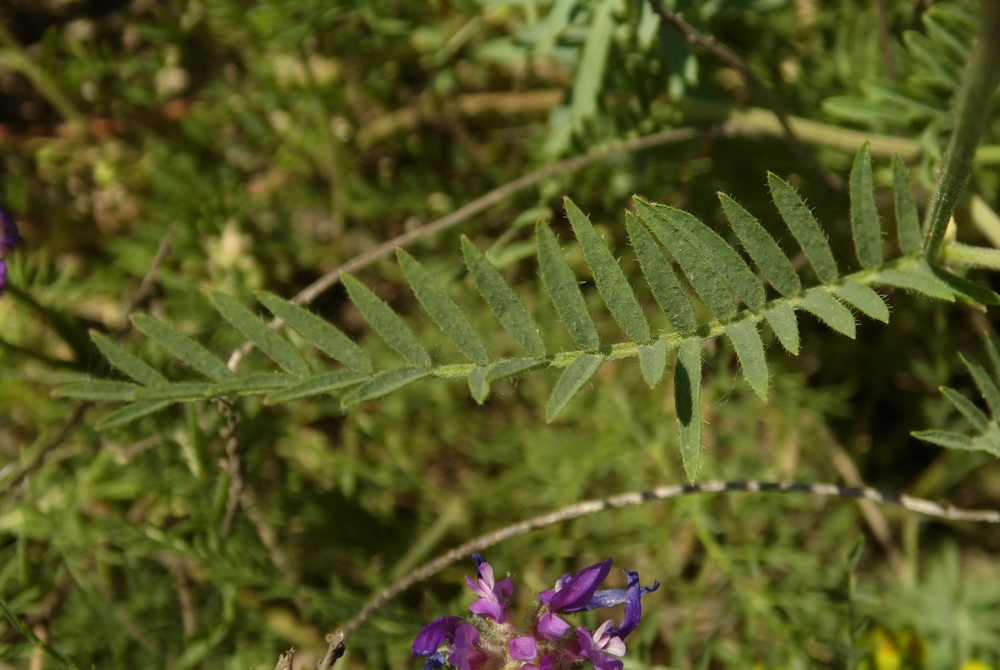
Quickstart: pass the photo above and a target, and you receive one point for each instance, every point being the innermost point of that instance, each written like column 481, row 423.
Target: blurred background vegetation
column 261, row 144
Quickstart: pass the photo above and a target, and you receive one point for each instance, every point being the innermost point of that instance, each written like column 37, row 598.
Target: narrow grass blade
column 987, row 388
column 564, row 291
column 921, row 280
column 667, row 290
column 176, row 392
column 505, row 304
column 385, row 383
column 865, row 223
column 266, row 340
column 765, row 252
column 653, row 361
column 386, row 323
column 479, row 387
column 704, row 278
column 327, row 338
column 126, row 362
column 611, row 282
column 253, row 384
column 325, row 383
column 442, row 309
column 907, row 219
column 511, row 367
column 865, row 300
column 805, row 228
column 750, row 350
column 785, row 325
column 830, row 311
column 98, row 390
column 965, row 289
column 183, row 347
column 719, row 255
column 130, row 413
column 593, row 60
column 946, row 439
column 975, row 416
column 687, row 402
column 993, row 349
column 572, row 380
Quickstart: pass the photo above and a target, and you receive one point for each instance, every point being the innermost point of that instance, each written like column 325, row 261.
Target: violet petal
column 578, row 591
column 434, row 634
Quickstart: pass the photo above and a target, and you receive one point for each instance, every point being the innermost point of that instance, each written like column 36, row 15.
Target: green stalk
column 971, row 114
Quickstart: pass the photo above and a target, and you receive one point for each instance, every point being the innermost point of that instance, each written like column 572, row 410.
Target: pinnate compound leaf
column 126, row 362
column 183, row 347
column 764, row 251
column 785, row 325
column 750, row 350
column 325, row 383
column 830, row 311
column 326, row 337
column 131, row 412
column 667, row 290
column 386, row 323
column 479, row 387
column 266, row 340
column 385, row 383
column 442, row 309
column 805, row 228
column 687, row 402
column 907, row 219
column 865, row 224
column 505, row 304
column 98, row 390
column 611, row 282
column 865, row 300
column 572, row 380
column 653, row 361
column 975, row 416
column 987, row 387
column 563, row 289
column 922, row 280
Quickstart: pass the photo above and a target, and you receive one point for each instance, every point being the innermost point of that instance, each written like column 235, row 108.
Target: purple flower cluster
column 490, row 641
column 9, row 238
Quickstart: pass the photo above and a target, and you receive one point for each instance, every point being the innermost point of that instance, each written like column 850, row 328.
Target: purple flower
column 523, row 648
column 599, row 646
column 493, row 597
column 573, row 594
column 9, row 238
column 434, row 634
column 465, row 653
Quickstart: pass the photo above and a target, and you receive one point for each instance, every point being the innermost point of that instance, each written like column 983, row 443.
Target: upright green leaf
column 443, row 309
column 593, row 59
column 865, row 300
column 327, row 338
column 976, row 417
column 785, row 325
column 386, row 323
column 564, row 291
column 183, row 347
column 865, row 224
column 907, row 219
column 126, row 362
column 572, row 380
column 750, row 350
column 502, row 300
column 266, row 340
column 653, row 361
column 830, row 311
column 764, row 251
column 667, row 290
column 987, row 388
column 385, row 383
column 805, row 228
column 611, row 282
column 687, row 402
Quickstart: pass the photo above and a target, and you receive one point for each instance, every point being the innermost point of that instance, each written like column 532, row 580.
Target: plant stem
column 972, row 257
column 971, row 114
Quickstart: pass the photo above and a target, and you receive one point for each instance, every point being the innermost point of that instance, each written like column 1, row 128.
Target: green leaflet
column 126, row 362
column 750, row 350
column 764, row 251
column 687, row 402
column 328, row 339
column 704, row 278
column 667, row 290
column 176, row 392
column 443, row 309
column 131, row 412
column 572, row 380
column 503, row 301
column 830, row 311
column 611, row 282
column 98, row 390
column 564, row 291
column 865, row 300
column 263, row 382
column 987, row 388
column 386, row 323
column 326, row 383
column 907, row 219
column 478, row 386
column 804, row 228
column 921, row 280
column 946, row 439
column 183, row 347
column 653, row 361
column 511, row 367
column 965, row 289
column 865, row 224
column 785, row 325
column 975, row 416
column 266, row 340
column 385, row 383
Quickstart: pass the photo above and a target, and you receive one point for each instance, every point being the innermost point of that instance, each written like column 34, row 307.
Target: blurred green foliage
column 271, row 141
